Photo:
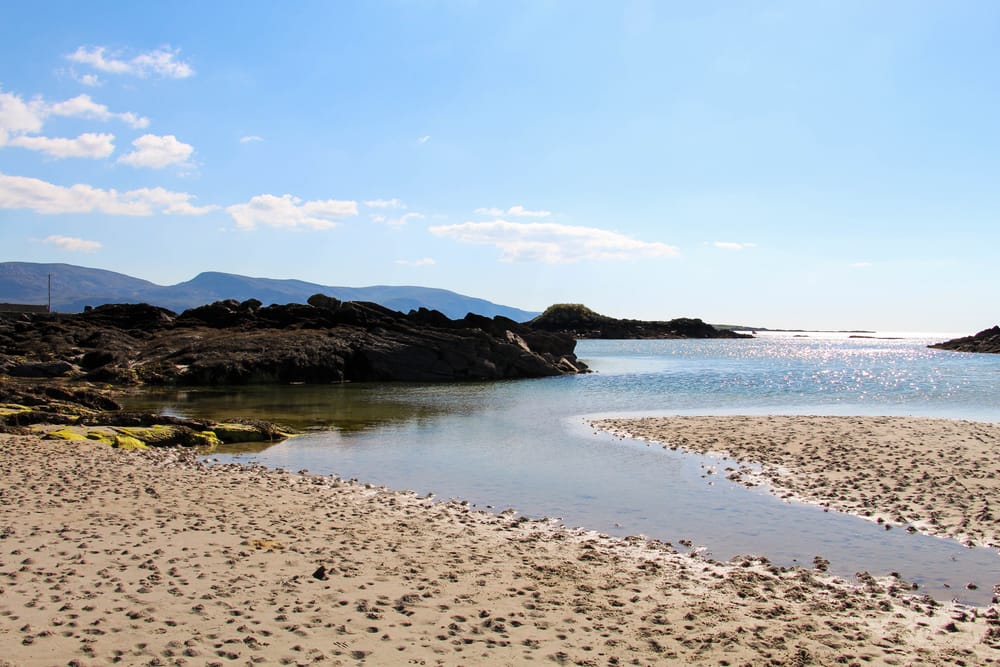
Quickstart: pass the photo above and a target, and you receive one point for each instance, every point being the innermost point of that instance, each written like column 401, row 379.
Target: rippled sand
column 152, row 558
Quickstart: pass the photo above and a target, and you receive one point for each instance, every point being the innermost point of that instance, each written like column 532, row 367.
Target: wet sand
column 153, row 558
column 938, row 476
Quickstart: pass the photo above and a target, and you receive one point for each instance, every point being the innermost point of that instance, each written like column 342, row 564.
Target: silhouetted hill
column 27, row 282
column 74, row 287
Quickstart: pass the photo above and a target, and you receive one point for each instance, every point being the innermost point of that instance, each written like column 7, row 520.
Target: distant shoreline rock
column 581, row 322
column 230, row 342
column 986, row 341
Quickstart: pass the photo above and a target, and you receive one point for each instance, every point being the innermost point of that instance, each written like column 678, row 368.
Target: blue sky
column 784, row 164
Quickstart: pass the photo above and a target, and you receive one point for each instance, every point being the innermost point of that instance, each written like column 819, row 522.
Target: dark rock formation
column 581, row 322
column 987, row 340
column 230, row 342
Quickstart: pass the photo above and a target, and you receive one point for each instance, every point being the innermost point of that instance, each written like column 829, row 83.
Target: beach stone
column 41, row 369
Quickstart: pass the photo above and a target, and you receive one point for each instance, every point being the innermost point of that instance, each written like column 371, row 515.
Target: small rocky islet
column 987, row 341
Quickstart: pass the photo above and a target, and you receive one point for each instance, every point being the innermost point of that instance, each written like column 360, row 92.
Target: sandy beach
column 153, row 558
column 938, row 476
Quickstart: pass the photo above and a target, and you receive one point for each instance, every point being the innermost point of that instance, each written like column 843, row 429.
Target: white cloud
column 17, row 116
column 156, row 152
column 169, row 202
column 862, row 265
column 86, row 145
column 91, row 80
column 72, row 244
column 385, row 203
column 425, row 261
column 250, row 138
column 514, row 211
column 424, row 139
column 552, row 243
column 20, row 120
column 729, row 245
column 82, row 106
column 160, row 62
column 43, row 197
column 289, row 211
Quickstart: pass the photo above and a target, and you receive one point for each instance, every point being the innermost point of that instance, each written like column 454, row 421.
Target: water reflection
column 345, row 408
column 526, row 444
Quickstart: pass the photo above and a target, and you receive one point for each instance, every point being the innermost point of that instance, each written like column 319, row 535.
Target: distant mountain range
column 74, row 287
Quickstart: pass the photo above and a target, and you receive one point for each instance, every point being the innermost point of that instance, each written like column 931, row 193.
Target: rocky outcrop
column 581, row 322
column 987, row 340
column 230, row 342
column 76, row 412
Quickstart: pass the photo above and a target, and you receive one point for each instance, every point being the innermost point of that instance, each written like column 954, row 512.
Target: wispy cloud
column 163, row 62
column 288, row 212
column 385, row 203
column 424, row 139
column 406, row 218
column 156, row 152
column 400, row 221
column 83, row 106
column 86, row 145
column 72, row 244
column 730, row 245
column 91, row 80
column 425, row 261
column 514, row 212
column 18, row 192
column 250, row 138
column 552, row 243
column 862, row 265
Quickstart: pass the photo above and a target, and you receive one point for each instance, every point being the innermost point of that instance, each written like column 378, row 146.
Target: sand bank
column 152, row 558
column 939, row 476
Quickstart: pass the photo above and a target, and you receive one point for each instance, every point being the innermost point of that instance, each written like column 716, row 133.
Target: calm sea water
column 526, row 444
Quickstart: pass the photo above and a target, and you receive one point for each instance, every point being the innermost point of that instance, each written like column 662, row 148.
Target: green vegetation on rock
column 65, row 434
column 128, row 442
